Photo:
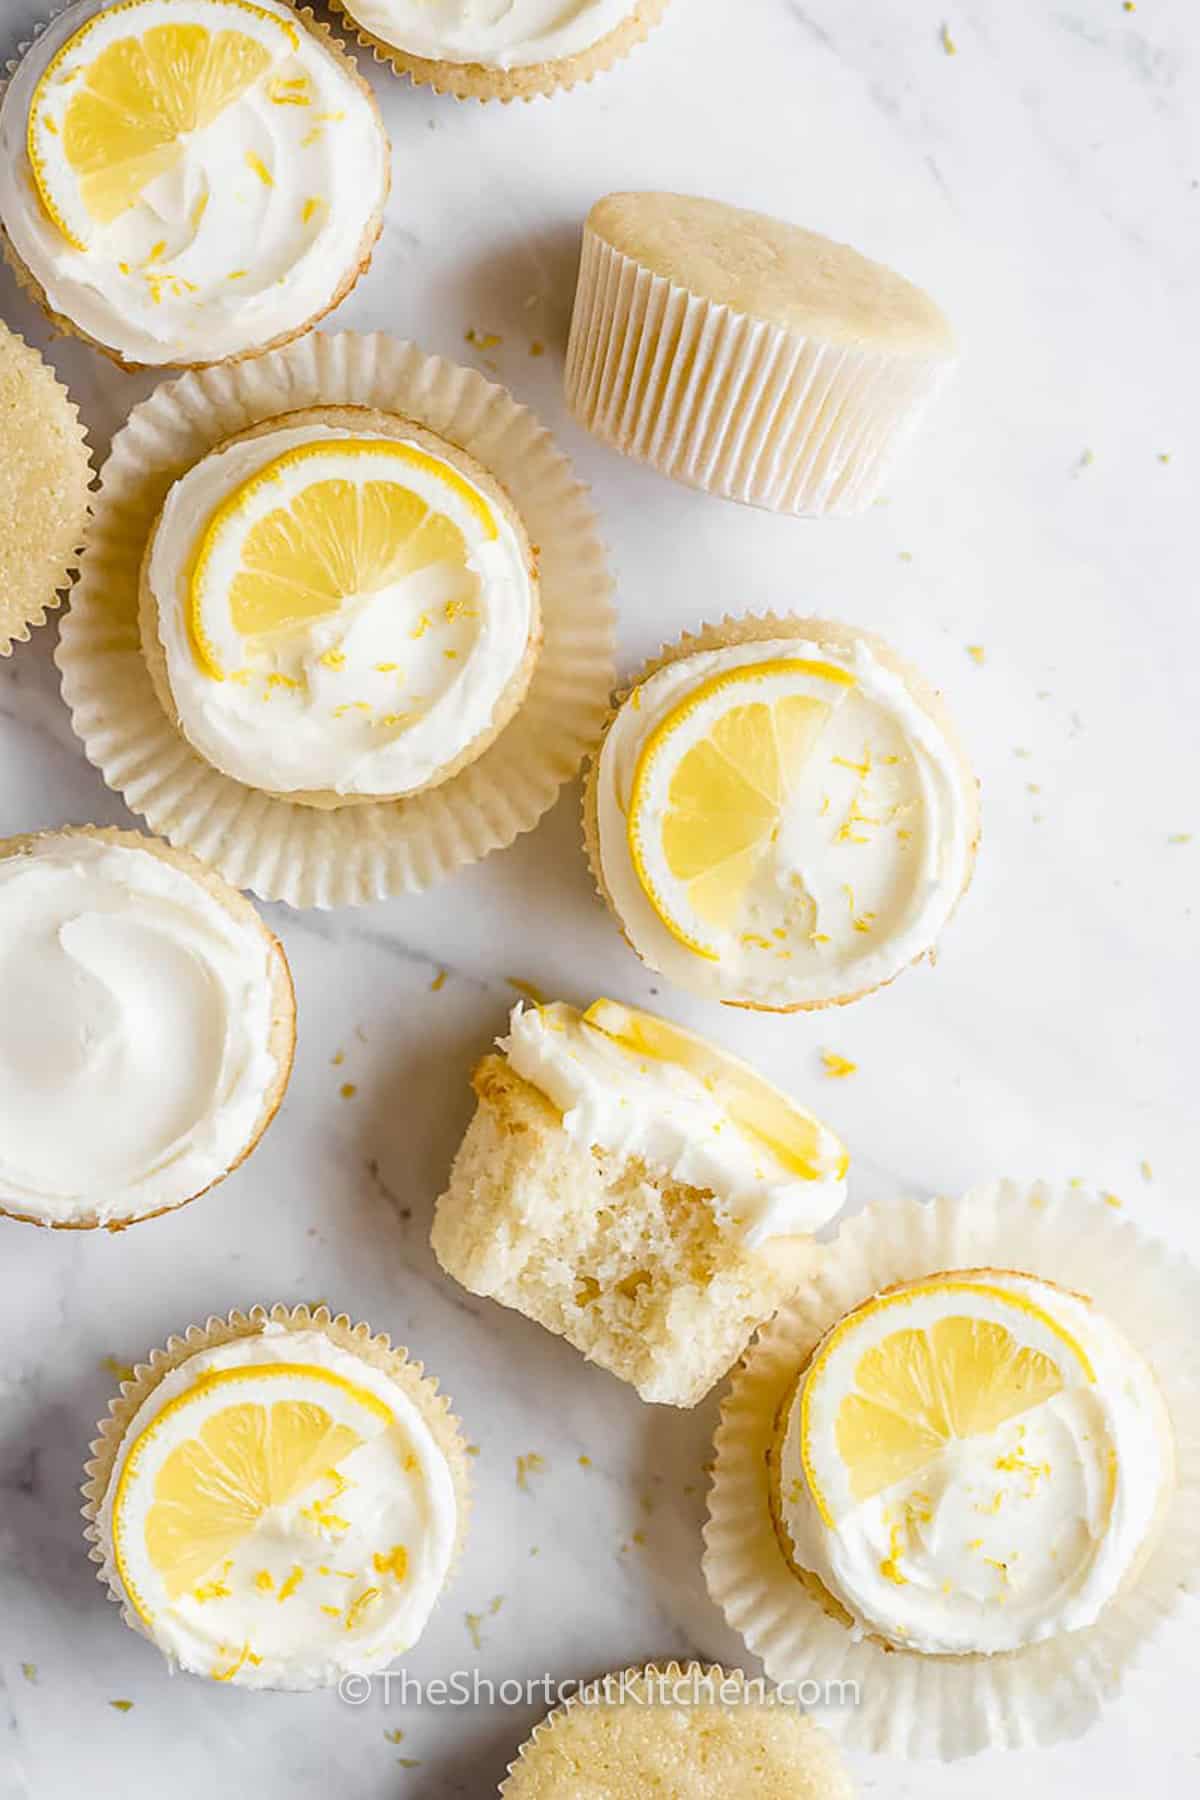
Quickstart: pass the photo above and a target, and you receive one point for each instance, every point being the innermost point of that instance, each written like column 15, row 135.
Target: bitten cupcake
column 147, row 1030
column 638, row 1191
column 746, row 356
column 479, row 51
column 277, row 1500
column 339, row 606
column 45, row 474
column 690, row 1732
column 189, row 181
column 780, row 815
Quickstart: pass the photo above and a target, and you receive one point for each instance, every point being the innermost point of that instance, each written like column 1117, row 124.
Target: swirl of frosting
column 245, row 239
column 135, row 1035
column 499, row 34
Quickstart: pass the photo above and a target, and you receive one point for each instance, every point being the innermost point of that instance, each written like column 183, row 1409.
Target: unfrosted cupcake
column 277, row 1500
column 746, row 356
column 476, row 50
column 679, row 1732
column 970, row 1464
column 45, row 474
column 189, row 181
column 636, row 1190
column 339, row 606
column 780, row 814
column 147, row 1029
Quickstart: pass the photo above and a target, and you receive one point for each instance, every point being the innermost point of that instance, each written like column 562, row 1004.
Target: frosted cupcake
column 748, row 357
column 147, row 1030
column 339, row 606
column 277, row 1500
column 780, row 815
column 637, row 1191
column 970, row 1464
column 682, row 1732
column 476, row 50
column 189, row 181
column 45, row 474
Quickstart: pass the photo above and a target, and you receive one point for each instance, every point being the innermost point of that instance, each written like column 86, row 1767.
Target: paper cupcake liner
column 829, row 1778
column 762, row 628
column 934, row 1706
column 373, row 1348
column 752, row 411
column 476, row 81
column 283, row 1022
column 279, row 848
column 62, row 322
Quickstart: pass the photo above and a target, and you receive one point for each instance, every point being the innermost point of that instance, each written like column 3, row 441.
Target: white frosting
column 374, row 699
column 213, row 260
column 499, row 34
column 394, row 1489
column 872, row 855
column 134, row 1033
column 1010, row 1536
column 664, row 1115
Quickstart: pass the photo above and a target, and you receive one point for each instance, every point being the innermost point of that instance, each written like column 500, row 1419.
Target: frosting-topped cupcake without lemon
column 477, row 50
column 339, row 605
column 147, row 1030
column 278, row 1502
column 780, row 815
column 971, row 1463
column 638, row 1191
column 185, row 181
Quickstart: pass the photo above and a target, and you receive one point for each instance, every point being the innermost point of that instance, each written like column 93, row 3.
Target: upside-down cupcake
column 780, row 815
column 277, row 1500
column 477, row 51
column 745, row 356
column 637, row 1191
column 189, row 181
column 45, row 474
column 679, row 1732
column 338, row 606
column 147, row 1030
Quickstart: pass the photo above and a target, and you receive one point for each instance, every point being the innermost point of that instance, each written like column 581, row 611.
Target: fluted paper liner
column 936, row 1706
column 359, row 1340
column 280, row 849
column 737, row 406
column 478, row 81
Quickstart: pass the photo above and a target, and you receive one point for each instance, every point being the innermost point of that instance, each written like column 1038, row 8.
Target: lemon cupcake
column 780, row 815
column 338, row 606
column 45, row 474
column 189, row 181
column 277, row 1500
column 637, row 1191
column 477, row 51
column 147, row 1031
column 746, row 356
column 680, row 1732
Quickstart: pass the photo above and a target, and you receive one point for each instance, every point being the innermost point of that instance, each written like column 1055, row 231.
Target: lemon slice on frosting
column 763, row 1112
column 115, row 107
column 323, row 526
column 712, row 784
column 909, row 1376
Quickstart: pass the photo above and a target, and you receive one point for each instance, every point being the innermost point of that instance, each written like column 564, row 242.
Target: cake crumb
column 394, row 1737
column 838, row 1067
column 472, row 1449
column 585, row 1462
column 497, row 1603
column 1164, row 456
column 977, row 653
column 347, row 1090
column 482, row 340
column 1147, row 1171
column 118, row 1370
column 29, row 1671
column 438, row 982
column 338, row 1058
column 533, row 1464
column 474, row 1622
column 948, row 43
column 121, row 1705
column 537, row 348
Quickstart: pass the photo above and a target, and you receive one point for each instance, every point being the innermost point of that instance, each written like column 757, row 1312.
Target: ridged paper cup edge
column 939, row 1707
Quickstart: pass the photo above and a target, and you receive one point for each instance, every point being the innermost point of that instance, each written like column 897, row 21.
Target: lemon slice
column 114, row 107
column 210, row 1466
column 798, row 1140
column 711, row 786
column 323, row 525
column 903, row 1378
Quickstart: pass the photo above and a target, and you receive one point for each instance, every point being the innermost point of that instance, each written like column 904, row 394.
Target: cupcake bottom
column 376, row 423
column 477, row 81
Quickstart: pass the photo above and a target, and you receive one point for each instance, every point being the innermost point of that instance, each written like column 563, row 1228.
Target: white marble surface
column 1043, row 182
